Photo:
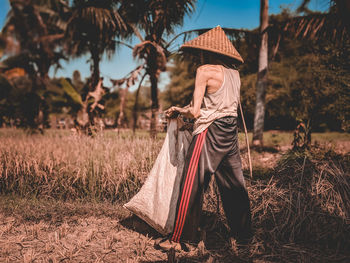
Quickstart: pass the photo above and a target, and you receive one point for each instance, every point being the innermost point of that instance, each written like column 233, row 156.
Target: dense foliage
column 307, row 82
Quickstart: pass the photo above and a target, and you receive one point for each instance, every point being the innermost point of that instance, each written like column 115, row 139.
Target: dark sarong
column 214, row 151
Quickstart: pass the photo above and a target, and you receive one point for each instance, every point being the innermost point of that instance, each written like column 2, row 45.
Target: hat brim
column 236, row 59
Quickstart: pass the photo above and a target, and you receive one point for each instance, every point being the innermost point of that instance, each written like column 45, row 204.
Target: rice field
column 65, row 166
column 62, row 194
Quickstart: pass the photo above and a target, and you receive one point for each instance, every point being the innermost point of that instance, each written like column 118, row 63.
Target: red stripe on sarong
column 187, row 190
column 188, row 187
column 185, row 187
column 195, row 167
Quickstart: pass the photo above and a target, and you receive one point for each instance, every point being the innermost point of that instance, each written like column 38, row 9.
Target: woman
column 214, row 148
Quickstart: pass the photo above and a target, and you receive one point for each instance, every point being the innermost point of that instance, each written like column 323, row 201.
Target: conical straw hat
column 214, row 40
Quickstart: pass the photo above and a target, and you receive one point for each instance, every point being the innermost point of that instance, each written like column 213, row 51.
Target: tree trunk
column 135, row 109
column 155, row 104
column 95, row 77
column 262, row 81
column 121, row 116
column 37, row 104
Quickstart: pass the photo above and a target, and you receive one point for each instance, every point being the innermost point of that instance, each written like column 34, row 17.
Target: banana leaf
column 71, row 92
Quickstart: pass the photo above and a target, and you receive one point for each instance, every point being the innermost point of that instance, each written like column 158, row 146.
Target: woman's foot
column 167, row 244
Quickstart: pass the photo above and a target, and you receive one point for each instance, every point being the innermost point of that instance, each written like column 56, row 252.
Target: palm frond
column 129, row 79
column 316, row 26
column 333, row 25
column 94, row 25
column 144, row 49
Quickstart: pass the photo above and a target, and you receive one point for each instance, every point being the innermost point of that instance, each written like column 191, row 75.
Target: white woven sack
column 156, row 201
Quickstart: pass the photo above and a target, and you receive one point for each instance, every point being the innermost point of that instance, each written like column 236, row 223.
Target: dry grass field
column 62, row 195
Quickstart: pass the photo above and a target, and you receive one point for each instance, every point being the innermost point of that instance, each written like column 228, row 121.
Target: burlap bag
column 156, row 201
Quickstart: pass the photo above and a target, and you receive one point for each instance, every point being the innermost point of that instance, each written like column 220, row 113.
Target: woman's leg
column 206, row 152
column 230, row 181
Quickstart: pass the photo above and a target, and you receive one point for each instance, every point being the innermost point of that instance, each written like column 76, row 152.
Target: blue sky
column 208, row 14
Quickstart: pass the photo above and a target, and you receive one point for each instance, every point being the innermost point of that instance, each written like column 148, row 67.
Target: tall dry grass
column 300, row 208
column 65, row 166
column 305, row 206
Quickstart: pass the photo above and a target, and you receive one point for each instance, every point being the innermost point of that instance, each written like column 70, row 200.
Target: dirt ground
column 51, row 231
column 87, row 238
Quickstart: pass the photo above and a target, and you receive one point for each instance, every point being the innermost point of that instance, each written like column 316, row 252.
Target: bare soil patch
column 52, row 231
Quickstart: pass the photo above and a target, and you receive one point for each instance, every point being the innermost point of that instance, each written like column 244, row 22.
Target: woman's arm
column 193, row 109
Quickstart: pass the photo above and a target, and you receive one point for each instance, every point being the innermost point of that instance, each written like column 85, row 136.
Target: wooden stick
column 247, row 141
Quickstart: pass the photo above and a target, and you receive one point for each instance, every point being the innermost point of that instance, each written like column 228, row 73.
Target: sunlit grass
column 282, row 138
column 64, row 165
column 109, row 166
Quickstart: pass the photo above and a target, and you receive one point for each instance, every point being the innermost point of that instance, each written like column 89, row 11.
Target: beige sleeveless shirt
column 221, row 103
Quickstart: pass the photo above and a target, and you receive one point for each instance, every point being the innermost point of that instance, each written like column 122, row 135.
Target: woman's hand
column 172, row 112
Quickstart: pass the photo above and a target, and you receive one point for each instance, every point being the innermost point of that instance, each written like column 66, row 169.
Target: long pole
column 247, row 141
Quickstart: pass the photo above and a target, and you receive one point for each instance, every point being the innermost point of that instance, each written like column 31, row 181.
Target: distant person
column 214, row 148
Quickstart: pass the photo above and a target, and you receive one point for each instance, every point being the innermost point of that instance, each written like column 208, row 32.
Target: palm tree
column 33, row 26
column 261, row 84
column 129, row 80
column 92, row 29
column 333, row 25
column 152, row 21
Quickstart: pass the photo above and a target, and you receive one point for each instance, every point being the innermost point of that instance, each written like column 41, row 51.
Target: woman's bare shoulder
column 209, row 68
